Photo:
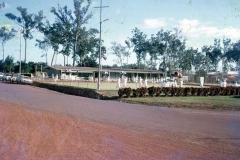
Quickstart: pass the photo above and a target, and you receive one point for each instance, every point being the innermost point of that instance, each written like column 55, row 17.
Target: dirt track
column 40, row 124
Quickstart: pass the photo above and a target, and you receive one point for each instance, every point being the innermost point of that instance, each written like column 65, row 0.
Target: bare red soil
column 33, row 134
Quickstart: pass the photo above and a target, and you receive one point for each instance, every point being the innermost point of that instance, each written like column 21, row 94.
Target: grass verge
column 194, row 102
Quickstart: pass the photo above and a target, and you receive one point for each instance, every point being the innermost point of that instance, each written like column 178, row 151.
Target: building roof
column 92, row 69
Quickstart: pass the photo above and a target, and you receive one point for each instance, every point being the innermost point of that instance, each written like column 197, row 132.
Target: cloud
column 194, row 28
column 171, row 19
column 153, row 23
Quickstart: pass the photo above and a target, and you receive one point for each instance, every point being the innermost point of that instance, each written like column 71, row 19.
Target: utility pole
column 165, row 61
column 100, row 39
column 20, row 54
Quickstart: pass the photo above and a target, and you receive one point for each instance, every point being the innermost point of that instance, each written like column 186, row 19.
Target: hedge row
column 83, row 92
column 178, row 91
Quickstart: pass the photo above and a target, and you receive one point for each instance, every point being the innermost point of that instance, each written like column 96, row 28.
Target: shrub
column 143, row 91
column 187, row 91
column 218, row 91
column 127, row 91
column 124, row 91
column 237, row 90
column 166, row 90
column 158, row 91
column 200, row 92
column 136, row 92
column 226, row 91
column 173, row 91
column 233, row 90
column 179, row 91
column 206, row 91
column 152, row 91
column 194, row 91
column 121, row 92
column 212, row 91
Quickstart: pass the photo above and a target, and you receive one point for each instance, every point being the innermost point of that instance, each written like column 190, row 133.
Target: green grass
column 196, row 102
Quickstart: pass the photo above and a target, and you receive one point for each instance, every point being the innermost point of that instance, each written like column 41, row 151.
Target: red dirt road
column 40, row 124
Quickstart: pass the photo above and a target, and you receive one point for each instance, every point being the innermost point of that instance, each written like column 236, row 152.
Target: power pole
column 100, row 39
column 20, row 65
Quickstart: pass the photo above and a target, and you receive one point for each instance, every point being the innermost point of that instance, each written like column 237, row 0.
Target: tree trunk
column 64, row 59
column 74, row 50
column 25, row 59
column 46, row 59
column 53, row 57
column 3, row 51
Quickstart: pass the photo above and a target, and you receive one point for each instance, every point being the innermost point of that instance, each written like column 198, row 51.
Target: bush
column 128, row 92
column 212, row 91
column 206, row 91
column 121, row 92
column 166, row 91
column 187, row 91
column 143, row 91
column 226, row 91
column 152, row 91
column 180, row 91
column 237, row 90
column 200, row 92
column 136, row 92
column 173, row 91
column 194, row 91
column 158, row 91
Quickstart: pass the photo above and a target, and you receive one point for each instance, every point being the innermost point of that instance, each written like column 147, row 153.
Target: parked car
column 6, row 77
column 24, row 80
column 13, row 78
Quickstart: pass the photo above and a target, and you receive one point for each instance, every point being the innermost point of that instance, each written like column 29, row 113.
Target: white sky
column 200, row 20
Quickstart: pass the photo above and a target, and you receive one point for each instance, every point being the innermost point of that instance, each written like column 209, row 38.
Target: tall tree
column 226, row 48
column 119, row 51
column 186, row 59
column 44, row 45
column 198, row 60
column 1, row 65
column 72, row 22
column 27, row 22
column 5, row 35
column 53, row 36
column 129, row 45
column 87, row 43
column 233, row 54
column 152, row 45
column 139, row 41
column 214, row 53
column 8, row 64
column 172, row 45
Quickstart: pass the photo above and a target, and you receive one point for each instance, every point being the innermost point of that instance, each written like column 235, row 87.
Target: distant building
column 113, row 73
